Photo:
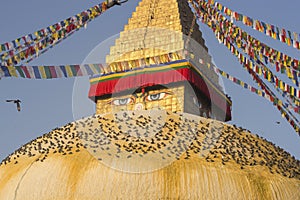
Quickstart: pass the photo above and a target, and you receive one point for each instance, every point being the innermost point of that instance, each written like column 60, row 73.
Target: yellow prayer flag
column 281, row 85
column 55, row 35
column 9, row 61
column 278, row 55
column 288, row 73
column 17, row 42
column 259, row 92
column 292, row 92
column 244, row 19
column 17, row 58
column 36, row 50
column 22, row 54
column 269, row 76
column 53, row 29
column 66, row 23
column 242, row 83
column 228, row 12
column 42, row 71
column 12, row 71
column 251, row 65
column 69, row 71
column 288, row 41
column 259, row 71
column 113, row 67
column 260, row 56
column 36, row 34
column 284, row 63
column 220, row 7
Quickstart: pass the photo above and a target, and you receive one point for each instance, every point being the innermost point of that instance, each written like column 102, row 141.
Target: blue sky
column 47, row 104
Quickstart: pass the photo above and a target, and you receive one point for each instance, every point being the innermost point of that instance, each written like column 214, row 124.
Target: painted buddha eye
column 155, row 97
column 121, row 102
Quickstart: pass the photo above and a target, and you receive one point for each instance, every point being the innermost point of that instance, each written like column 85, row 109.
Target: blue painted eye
column 121, row 102
column 155, row 97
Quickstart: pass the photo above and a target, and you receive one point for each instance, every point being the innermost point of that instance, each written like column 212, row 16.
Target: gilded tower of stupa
column 159, row 131
column 161, row 46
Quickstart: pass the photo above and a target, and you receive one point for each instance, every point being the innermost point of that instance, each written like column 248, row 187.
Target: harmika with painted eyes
column 143, row 100
column 135, row 98
column 156, row 97
column 153, row 97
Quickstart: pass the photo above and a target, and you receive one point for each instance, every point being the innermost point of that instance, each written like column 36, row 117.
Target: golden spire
column 156, row 27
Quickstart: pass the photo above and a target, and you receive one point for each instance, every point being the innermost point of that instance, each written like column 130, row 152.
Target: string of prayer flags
column 248, row 49
column 221, row 39
column 7, row 71
column 77, row 20
column 268, row 75
column 284, row 63
column 276, row 102
column 38, row 48
column 271, row 55
column 48, row 47
column 249, row 87
column 210, row 20
column 293, row 121
column 47, row 36
column 24, row 51
column 49, row 72
column 286, row 36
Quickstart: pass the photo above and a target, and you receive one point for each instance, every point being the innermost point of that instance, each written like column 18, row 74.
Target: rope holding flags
column 249, row 87
column 268, row 75
column 49, row 72
column 283, row 62
column 207, row 17
column 95, row 70
column 286, row 36
column 77, row 20
column 32, row 45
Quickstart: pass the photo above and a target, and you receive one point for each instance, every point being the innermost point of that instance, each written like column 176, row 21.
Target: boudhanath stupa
column 159, row 131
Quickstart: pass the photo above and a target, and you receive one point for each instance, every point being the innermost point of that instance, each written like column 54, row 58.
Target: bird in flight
column 16, row 101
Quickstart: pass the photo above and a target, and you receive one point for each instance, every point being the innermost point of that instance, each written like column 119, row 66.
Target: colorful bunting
column 268, row 75
column 209, row 16
column 17, row 52
column 249, row 87
column 253, row 45
column 48, row 72
column 291, row 39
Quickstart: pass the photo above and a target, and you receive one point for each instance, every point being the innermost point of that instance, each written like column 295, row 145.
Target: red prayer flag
column 277, row 67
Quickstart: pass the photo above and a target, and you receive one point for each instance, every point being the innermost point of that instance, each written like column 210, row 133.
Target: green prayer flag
column 20, row 71
column 47, row 71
